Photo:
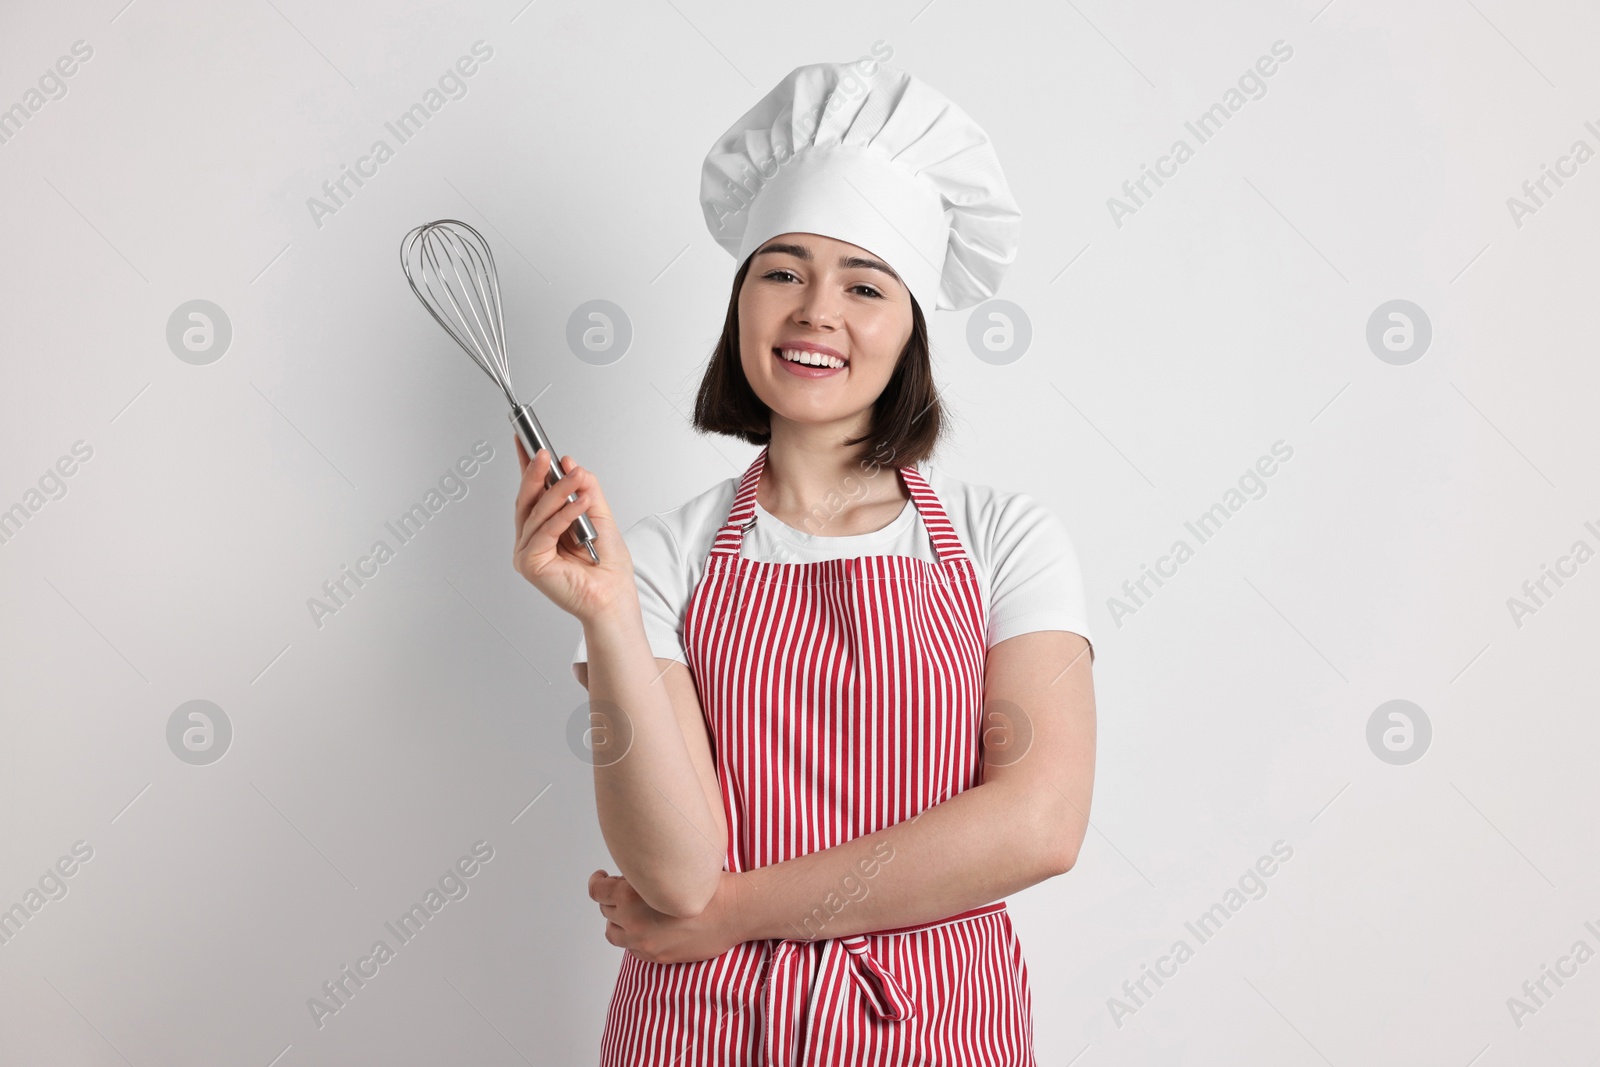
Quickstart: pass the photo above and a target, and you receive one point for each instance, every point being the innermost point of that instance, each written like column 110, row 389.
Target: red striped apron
column 842, row 697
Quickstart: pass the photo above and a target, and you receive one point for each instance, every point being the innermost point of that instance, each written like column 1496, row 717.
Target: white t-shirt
column 1027, row 569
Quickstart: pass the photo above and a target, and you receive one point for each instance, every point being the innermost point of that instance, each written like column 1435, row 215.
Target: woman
column 825, row 757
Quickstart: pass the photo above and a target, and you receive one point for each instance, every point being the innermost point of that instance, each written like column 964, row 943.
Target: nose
column 818, row 308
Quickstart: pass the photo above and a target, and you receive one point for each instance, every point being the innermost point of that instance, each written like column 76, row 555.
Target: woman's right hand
column 549, row 557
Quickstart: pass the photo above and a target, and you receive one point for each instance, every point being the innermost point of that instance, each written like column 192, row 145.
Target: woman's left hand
column 658, row 938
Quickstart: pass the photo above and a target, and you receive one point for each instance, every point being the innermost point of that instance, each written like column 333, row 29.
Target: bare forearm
column 979, row 846
column 653, row 813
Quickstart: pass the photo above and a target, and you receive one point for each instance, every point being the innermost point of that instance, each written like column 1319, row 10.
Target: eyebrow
column 801, row 252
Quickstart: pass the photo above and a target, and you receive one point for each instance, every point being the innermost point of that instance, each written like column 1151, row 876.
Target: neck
column 810, row 465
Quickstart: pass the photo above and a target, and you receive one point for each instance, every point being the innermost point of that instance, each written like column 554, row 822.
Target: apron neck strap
column 742, row 515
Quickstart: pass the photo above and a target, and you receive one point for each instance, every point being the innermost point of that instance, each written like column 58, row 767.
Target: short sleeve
column 1037, row 581
column 659, row 572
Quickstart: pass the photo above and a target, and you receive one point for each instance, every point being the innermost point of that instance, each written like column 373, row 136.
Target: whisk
column 451, row 269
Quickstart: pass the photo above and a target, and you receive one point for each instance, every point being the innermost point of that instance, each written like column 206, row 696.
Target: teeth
column 810, row 359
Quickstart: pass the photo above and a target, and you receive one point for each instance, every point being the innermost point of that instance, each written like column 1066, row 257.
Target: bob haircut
column 907, row 417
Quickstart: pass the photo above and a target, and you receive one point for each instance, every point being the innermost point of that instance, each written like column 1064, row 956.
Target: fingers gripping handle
column 533, row 439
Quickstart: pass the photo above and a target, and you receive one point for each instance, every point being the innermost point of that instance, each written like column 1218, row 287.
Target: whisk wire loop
column 452, row 271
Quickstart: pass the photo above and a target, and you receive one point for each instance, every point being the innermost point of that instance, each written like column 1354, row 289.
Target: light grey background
column 1167, row 354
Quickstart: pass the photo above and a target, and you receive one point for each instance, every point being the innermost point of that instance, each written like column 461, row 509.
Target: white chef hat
column 875, row 158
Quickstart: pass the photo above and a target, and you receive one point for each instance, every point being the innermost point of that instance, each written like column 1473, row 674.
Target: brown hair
column 907, row 417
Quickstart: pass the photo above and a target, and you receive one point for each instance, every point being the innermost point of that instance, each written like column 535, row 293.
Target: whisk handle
column 534, row 438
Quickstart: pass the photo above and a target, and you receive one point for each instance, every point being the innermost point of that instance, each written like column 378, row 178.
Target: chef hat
column 878, row 159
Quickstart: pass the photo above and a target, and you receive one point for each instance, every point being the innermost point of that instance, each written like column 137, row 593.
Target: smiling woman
column 885, row 360
column 844, row 663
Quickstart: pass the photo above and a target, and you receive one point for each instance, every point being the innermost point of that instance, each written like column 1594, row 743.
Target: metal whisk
column 451, row 269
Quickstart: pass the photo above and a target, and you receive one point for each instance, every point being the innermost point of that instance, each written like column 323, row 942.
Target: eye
column 787, row 274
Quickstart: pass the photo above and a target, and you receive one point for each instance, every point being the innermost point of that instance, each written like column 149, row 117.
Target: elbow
column 1061, row 858
column 686, row 907
column 1058, row 838
column 1054, row 854
column 682, row 902
column 681, row 897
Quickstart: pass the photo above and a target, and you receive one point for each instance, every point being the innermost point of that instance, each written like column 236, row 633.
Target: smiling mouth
column 809, row 359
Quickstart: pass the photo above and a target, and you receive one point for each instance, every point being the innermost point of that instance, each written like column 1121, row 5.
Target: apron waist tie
column 785, row 999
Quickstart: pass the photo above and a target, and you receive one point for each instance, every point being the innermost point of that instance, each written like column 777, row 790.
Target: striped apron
column 842, row 697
